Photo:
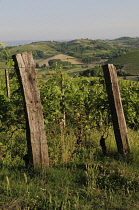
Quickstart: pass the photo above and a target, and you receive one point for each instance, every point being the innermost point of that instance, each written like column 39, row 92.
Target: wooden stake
column 0, row 154
column 119, row 123
column 36, row 138
column 7, row 82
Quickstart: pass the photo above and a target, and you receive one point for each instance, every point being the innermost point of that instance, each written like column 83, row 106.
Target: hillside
column 127, row 41
column 128, row 62
column 39, row 49
column 122, row 51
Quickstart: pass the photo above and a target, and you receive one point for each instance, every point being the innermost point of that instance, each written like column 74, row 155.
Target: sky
column 43, row 20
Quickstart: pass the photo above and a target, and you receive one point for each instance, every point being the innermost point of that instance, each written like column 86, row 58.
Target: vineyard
column 76, row 115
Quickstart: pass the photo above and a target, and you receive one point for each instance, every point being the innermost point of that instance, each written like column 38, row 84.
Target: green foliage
column 80, row 99
column 129, row 62
column 39, row 54
column 87, row 181
column 86, row 98
column 55, row 63
column 82, row 102
column 130, row 100
column 79, row 176
column 92, row 72
column 12, row 122
column 103, row 46
column 6, row 56
column 90, row 59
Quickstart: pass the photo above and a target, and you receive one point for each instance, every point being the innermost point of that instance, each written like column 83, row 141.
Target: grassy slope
column 42, row 46
column 79, row 178
column 129, row 61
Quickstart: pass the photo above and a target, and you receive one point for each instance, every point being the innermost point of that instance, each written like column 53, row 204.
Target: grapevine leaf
column 5, row 52
column 3, row 45
column 10, row 63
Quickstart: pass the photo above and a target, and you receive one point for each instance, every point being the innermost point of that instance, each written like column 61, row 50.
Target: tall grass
column 79, row 177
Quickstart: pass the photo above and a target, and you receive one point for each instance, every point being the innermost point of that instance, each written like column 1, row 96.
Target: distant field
column 62, row 57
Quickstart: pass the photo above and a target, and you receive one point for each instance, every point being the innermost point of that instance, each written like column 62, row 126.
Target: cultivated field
column 62, row 57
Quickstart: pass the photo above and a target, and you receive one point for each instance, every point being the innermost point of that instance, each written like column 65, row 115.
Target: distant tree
column 43, row 66
column 90, row 59
column 37, row 65
column 63, row 47
column 40, row 54
column 37, row 54
column 53, row 62
column 92, row 72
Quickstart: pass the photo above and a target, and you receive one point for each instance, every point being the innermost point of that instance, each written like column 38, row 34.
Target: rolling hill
column 123, row 51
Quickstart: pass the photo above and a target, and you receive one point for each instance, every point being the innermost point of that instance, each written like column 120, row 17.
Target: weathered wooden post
column 35, row 130
column 119, row 123
column 7, row 82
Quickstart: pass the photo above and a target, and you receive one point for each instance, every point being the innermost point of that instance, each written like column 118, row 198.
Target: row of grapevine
column 84, row 99
column 80, row 102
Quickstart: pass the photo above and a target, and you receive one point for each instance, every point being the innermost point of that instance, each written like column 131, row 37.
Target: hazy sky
column 68, row 19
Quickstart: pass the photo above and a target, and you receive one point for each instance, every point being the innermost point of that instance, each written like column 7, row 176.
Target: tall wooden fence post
column 119, row 123
column 36, row 137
